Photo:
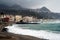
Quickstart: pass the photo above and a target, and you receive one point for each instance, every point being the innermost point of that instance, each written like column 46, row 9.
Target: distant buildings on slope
column 17, row 18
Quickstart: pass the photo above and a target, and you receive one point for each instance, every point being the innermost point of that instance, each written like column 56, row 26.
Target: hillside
column 39, row 13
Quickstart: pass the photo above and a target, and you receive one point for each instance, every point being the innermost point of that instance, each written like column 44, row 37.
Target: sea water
column 49, row 31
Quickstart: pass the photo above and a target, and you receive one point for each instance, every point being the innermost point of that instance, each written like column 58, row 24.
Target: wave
column 52, row 21
column 36, row 33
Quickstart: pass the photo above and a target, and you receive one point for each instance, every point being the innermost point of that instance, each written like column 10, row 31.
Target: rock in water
column 4, row 30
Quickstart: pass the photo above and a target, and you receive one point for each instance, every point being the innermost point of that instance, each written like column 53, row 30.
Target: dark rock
column 4, row 30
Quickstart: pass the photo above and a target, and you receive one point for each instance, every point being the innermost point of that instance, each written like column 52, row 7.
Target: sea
column 50, row 31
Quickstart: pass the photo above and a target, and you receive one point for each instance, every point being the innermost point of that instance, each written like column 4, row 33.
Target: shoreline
column 4, row 35
column 11, row 36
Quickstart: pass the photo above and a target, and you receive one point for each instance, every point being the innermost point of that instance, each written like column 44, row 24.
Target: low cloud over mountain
column 39, row 13
column 23, row 3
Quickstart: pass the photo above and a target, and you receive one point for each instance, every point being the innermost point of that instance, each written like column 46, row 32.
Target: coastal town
column 18, row 18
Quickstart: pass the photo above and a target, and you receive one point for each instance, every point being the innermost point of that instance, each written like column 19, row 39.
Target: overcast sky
column 53, row 5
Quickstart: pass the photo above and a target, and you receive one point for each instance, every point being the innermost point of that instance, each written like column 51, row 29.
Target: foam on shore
column 36, row 33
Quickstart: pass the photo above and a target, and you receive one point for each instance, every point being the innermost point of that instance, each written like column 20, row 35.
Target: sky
column 53, row 5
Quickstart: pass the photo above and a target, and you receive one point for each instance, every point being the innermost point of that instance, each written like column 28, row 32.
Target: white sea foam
column 36, row 33
column 52, row 21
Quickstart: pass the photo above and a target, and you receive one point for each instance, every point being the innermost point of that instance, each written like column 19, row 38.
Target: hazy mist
column 53, row 5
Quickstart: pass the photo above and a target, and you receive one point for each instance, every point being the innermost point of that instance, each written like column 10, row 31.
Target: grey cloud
column 7, row 2
column 30, row 3
column 53, row 5
column 24, row 3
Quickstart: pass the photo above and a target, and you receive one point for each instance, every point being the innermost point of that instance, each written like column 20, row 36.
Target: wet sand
column 11, row 36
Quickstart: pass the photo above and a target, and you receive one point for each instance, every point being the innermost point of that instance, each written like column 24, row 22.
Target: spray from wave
column 51, row 21
column 36, row 33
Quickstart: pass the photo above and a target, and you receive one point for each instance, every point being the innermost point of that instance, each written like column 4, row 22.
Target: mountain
column 47, row 14
column 13, row 7
column 17, row 7
column 39, row 13
column 3, row 6
column 44, row 9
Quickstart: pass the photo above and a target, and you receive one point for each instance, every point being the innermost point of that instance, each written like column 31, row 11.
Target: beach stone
column 4, row 30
